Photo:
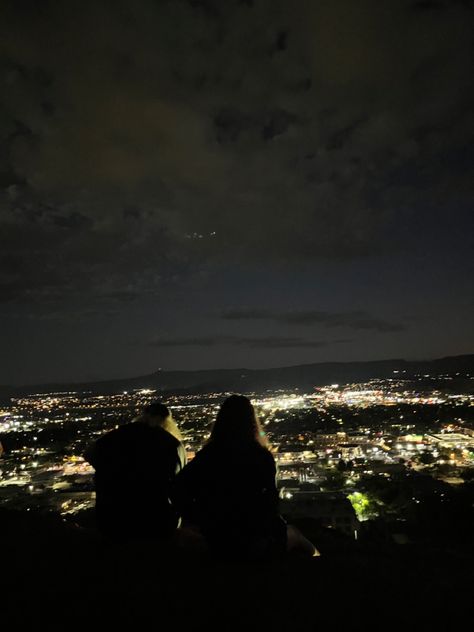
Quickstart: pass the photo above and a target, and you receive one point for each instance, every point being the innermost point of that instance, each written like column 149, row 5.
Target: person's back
column 229, row 489
column 135, row 466
column 232, row 496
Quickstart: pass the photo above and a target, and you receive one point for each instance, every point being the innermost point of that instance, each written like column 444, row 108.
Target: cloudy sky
column 223, row 183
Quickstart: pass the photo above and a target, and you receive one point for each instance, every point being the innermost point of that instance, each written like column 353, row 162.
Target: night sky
column 219, row 183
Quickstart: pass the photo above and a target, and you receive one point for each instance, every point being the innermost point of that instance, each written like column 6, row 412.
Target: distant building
column 329, row 440
column 452, row 440
column 332, row 510
column 293, row 456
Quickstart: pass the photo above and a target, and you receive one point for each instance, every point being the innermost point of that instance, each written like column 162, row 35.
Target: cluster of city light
column 286, row 402
column 38, row 468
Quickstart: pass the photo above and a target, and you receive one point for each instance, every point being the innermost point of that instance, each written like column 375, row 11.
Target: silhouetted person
column 229, row 490
column 134, row 468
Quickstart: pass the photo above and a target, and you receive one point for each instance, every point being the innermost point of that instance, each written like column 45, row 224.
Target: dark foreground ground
column 57, row 575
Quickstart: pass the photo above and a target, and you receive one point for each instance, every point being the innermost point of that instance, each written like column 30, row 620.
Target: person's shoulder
column 160, row 439
column 164, row 435
column 119, row 433
column 263, row 453
column 206, row 451
column 205, row 455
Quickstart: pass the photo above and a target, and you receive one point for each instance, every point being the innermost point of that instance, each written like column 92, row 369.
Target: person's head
column 237, row 423
column 157, row 414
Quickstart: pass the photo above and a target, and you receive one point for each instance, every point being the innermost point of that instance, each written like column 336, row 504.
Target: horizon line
column 239, row 368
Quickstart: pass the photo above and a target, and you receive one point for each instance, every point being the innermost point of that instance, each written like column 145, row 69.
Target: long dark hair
column 237, row 423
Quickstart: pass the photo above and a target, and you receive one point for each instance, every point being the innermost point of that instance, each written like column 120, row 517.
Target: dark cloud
column 277, row 123
column 427, row 5
column 73, row 220
column 267, row 342
column 149, row 148
column 230, row 124
column 207, row 7
column 351, row 320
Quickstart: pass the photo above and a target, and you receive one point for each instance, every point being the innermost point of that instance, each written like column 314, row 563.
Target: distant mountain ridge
column 304, row 377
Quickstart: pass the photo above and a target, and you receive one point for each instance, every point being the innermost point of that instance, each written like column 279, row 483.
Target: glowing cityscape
column 330, row 445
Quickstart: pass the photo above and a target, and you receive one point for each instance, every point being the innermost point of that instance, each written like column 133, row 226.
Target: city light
column 324, row 442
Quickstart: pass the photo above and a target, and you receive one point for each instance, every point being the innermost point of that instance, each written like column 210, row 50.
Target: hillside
column 304, row 377
column 55, row 573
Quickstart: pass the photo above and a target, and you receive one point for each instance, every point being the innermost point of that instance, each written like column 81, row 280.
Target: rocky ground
column 57, row 574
